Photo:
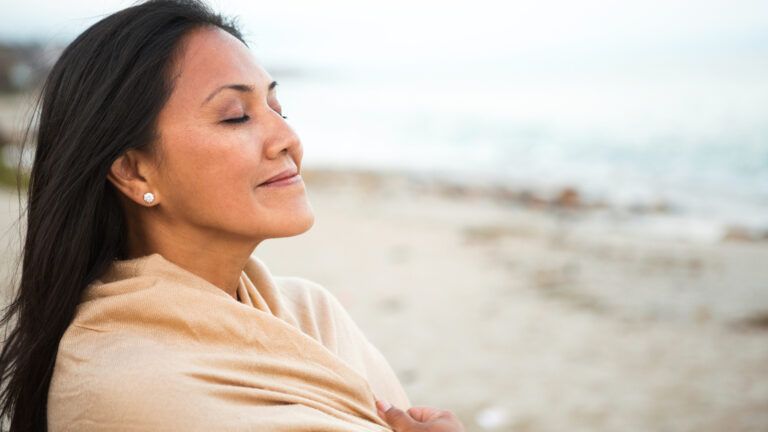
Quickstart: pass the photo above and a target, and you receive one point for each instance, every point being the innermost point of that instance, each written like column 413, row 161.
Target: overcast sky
column 479, row 29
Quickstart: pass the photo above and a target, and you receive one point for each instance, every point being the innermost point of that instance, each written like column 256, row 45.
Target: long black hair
column 101, row 98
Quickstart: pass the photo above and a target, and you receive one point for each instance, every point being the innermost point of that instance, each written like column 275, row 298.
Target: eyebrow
column 243, row 88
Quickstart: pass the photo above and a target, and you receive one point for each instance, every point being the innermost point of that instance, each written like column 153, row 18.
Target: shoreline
column 566, row 201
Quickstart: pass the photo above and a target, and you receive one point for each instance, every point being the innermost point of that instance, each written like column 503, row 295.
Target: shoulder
column 305, row 291
column 322, row 315
column 307, row 295
column 292, row 294
column 317, row 311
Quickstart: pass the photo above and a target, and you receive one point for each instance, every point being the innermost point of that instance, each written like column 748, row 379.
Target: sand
column 522, row 317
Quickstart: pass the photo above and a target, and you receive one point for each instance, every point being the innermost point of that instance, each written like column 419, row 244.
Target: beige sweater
column 156, row 347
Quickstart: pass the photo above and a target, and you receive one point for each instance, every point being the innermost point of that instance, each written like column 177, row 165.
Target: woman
column 162, row 161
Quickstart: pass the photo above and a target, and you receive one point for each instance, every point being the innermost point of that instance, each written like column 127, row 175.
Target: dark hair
column 101, row 98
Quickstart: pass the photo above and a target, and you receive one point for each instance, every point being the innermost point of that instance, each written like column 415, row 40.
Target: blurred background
column 548, row 215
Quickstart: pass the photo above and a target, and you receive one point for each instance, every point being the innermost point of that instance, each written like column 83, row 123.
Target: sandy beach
column 545, row 317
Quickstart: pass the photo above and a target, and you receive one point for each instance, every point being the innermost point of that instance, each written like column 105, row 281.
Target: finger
column 395, row 417
column 423, row 413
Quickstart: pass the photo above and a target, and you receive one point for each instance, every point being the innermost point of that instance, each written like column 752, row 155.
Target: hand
column 419, row 419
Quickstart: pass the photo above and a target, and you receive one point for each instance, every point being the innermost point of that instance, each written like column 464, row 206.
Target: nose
column 282, row 140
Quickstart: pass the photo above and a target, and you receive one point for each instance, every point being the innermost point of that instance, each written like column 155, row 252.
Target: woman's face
column 222, row 136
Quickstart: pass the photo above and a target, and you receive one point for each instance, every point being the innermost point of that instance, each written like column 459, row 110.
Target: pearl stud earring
column 149, row 197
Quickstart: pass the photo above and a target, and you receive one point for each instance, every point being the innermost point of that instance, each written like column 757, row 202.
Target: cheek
column 217, row 172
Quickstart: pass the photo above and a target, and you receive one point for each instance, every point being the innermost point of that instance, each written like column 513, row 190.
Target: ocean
column 692, row 139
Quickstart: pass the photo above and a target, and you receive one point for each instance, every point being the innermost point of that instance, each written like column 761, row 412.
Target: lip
column 282, row 177
column 283, row 182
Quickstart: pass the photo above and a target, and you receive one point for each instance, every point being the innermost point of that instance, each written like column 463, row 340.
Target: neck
column 214, row 258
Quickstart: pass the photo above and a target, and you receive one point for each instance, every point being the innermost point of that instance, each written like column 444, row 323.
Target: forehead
column 211, row 57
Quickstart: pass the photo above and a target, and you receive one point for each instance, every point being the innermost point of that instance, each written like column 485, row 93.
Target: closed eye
column 242, row 119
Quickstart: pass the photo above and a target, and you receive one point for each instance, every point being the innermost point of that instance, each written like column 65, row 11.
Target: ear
column 131, row 173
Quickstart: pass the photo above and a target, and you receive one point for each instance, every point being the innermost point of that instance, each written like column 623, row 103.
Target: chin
column 296, row 224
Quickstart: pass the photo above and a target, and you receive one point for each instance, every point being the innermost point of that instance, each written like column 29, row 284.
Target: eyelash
column 244, row 119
